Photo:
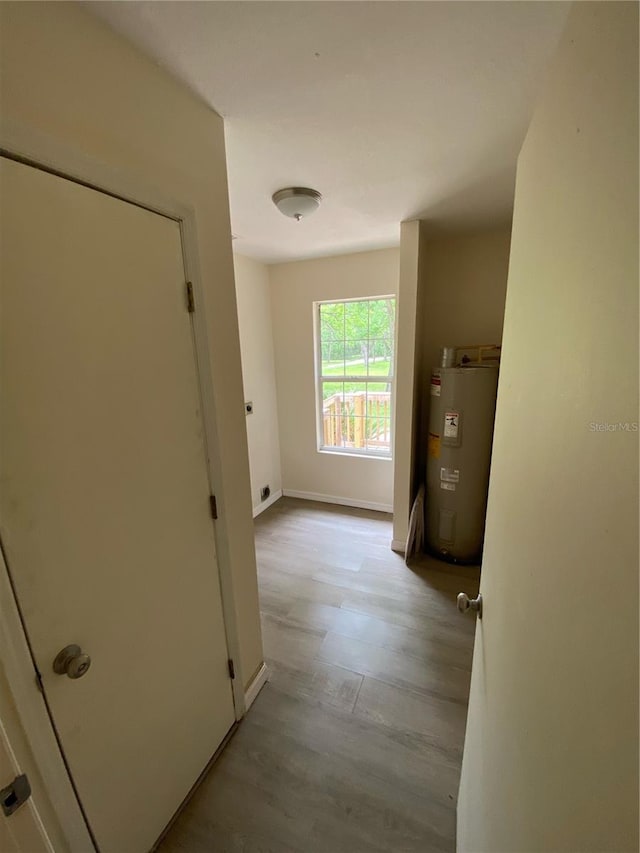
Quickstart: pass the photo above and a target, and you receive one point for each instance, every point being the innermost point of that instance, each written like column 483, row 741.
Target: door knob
column 71, row 661
column 465, row 603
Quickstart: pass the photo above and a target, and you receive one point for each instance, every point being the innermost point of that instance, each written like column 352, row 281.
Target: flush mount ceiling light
column 297, row 202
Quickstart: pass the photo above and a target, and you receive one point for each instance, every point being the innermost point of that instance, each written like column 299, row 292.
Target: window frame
column 361, row 453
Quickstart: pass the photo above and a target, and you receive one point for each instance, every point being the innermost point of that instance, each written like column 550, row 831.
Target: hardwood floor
column 355, row 744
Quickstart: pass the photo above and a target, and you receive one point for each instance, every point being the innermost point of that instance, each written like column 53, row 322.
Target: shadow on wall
column 472, row 195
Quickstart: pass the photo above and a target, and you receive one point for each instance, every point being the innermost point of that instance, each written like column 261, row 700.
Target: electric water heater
column 462, row 410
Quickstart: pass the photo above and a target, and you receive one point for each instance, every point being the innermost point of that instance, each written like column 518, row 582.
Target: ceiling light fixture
column 297, row 202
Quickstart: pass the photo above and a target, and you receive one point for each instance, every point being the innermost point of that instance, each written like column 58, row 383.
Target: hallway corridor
column 355, row 743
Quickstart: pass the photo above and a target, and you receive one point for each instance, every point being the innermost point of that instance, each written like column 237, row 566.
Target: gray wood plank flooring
column 355, row 744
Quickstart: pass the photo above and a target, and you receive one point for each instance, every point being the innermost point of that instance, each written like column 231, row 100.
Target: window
column 354, row 368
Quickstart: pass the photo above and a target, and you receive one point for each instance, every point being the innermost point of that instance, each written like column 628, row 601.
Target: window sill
column 375, row 457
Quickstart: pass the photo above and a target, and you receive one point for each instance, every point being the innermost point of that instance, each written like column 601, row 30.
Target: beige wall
column 258, row 373
column 551, row 752
column 67, row 76
column 464, row 278
column 463, row 284
column 294, row 289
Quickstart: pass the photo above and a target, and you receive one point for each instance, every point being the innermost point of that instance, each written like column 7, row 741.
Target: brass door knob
column 72, row 662
column 465, row 603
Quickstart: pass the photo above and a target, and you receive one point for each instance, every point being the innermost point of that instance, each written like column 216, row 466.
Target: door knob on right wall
column 465, row 603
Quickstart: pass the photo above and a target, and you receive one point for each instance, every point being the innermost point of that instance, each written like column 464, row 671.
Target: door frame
column 41, row 151
column 34, row 822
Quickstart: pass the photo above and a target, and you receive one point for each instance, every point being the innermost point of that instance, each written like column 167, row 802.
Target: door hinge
column 39, row 683
column 232, row 669
column 214, row 506
column 191, row 303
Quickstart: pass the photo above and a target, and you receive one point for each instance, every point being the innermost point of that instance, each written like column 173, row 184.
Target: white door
column 105, row 514
column 551, row 750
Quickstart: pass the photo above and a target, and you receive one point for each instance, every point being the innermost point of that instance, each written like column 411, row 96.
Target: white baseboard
column 398, row 545
column 259, row 681
column 266, row 504
column 332, row 499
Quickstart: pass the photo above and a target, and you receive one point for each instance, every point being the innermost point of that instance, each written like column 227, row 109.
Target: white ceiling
column 392, row 110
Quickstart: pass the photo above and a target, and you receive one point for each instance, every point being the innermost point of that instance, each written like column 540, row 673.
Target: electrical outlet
column 248, row 407
column 265, row 491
